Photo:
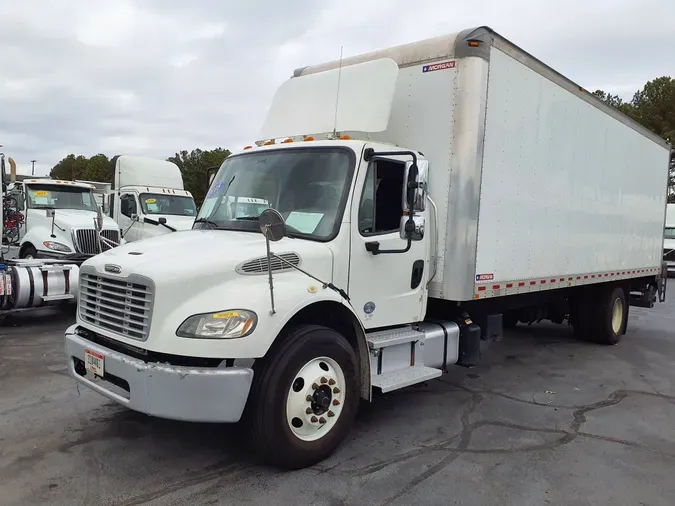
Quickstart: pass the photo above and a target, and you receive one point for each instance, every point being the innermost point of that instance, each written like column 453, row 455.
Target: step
column 392, row 337
column 405, row 377
column 51, row 298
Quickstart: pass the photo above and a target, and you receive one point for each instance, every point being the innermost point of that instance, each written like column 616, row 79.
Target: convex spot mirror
column 272, row 225
column 414, row 200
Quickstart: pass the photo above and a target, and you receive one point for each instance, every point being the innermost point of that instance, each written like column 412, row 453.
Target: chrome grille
column 259, row 265
column 87, row 242
column 117, row 305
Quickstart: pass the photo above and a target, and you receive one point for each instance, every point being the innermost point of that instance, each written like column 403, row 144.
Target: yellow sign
column 41, row 193
column 150, row 201
column 227, row 314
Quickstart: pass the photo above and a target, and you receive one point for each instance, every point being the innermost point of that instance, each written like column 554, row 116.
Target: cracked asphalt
column 544, row 419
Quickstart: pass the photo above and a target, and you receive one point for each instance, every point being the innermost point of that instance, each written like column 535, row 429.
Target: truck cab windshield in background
column 308, row 186
column 175, row 205
column 43, row 196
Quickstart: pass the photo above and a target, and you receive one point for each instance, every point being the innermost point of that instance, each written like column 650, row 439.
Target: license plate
column 94, row 362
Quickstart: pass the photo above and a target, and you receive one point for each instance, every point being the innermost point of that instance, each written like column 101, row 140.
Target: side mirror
column 162, row 220
column 415, row 192
column 50, row 213
column 134, row 217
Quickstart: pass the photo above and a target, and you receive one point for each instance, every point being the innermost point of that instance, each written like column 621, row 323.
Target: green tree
column 193, row 167
column 99, row 168
column 654, row 107
column 70, row 168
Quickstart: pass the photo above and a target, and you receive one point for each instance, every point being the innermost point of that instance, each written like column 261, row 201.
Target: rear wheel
column 602, row 315
column 304, row 398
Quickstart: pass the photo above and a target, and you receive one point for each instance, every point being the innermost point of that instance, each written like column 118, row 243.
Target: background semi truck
column 669, row 239
column 420, row 198
column 29, row 283
column 148, row 197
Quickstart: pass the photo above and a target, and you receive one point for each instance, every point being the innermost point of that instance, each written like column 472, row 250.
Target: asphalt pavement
column 544, row 419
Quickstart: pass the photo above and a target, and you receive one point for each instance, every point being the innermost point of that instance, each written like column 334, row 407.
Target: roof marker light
column 248, row 147
column 344, row 137
column 269, row 143
column 286, row 141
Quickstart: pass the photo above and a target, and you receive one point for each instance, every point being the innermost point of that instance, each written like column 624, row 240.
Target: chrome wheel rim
column 617, row 316
column 315, row 399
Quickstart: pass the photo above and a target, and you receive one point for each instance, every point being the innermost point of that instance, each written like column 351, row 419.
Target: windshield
column 307, row 186
column 669, row 233
column 48, row 196
column 161, row 203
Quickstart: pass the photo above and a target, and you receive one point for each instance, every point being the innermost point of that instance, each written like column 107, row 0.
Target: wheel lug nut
column 324, row 380
column 308, row 398
column 331, row 382
column 314, row 386
column 330, row 414
column 314, row 419
column 336, row 402
column 336, row 390
column 322, row 420
column 309, row 411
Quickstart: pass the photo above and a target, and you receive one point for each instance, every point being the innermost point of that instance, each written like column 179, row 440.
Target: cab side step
column 411, row 354
column 405, row 377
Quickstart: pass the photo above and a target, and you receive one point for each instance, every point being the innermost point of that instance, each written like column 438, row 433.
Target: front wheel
column 304, row 397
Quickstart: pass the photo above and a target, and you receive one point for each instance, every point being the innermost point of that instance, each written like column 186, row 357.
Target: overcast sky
column 151, row 77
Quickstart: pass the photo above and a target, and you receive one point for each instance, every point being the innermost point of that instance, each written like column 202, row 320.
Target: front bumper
column 195, row 394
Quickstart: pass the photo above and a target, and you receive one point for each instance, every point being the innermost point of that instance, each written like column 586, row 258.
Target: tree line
column 192, row 164
column 653, row 106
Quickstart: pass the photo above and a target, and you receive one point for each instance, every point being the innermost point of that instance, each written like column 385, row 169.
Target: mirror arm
column 374, row 246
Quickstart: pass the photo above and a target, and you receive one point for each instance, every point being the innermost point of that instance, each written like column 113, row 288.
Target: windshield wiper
column 247, row 218
column 208, row 222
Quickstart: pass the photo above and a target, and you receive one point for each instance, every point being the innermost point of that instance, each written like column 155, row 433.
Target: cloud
column 154, row 76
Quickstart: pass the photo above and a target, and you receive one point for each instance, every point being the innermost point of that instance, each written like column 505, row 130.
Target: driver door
column 131, row 229
column 386, row 288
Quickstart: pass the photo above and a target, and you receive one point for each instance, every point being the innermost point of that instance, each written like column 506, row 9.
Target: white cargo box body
column 538, row 184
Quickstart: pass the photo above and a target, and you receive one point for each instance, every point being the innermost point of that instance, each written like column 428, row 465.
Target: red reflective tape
column 563, row 279
column 543, row 281
column 533, row 283
column 553, row 281
column 570, row 279
column 592, row 275
column 495, row 287
column 509, row 285
column 481, row 288
column 522, row 283
column 578, row 277
column 586, row 276
column 606, row 274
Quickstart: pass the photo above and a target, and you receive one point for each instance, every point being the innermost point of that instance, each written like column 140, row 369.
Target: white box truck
column 422, row 197
column 148, row 198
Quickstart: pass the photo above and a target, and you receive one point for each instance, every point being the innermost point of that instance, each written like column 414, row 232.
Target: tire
column 287, row 430
column 603, row 316
column 29, row 252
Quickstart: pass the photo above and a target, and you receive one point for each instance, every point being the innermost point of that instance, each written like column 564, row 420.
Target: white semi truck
column 423, row 197
column 148, row 198
column 29, row 283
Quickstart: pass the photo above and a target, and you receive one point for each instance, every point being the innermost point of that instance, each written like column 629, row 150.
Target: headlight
column 222, row 325
column 56, row 246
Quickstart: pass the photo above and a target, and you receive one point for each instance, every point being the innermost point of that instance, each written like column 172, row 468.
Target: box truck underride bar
column 451, row 187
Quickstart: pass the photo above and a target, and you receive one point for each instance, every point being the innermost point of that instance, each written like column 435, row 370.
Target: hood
column 177, row 222
column 78, row 218
column 209, row 254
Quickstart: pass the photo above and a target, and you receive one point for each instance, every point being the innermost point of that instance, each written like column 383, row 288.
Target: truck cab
column 148, row 198
column 60, row 219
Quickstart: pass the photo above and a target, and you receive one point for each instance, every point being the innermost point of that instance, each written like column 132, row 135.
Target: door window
column 381, row 204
